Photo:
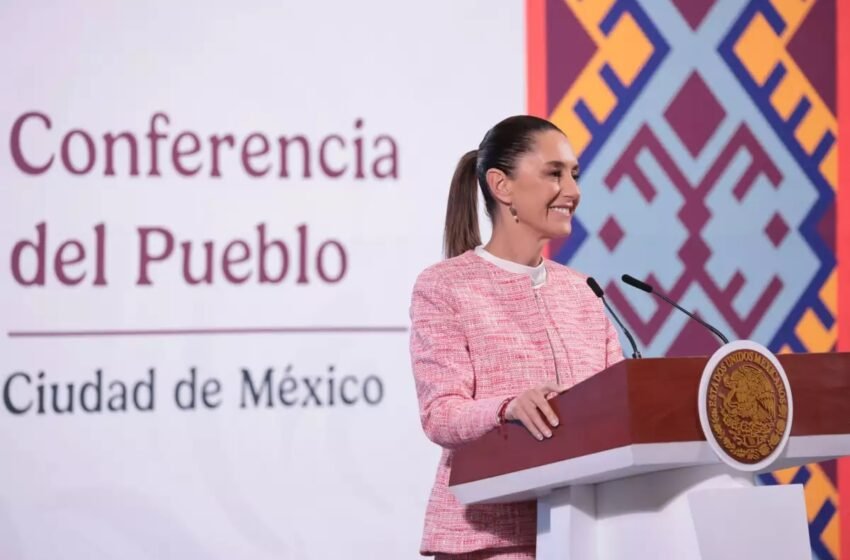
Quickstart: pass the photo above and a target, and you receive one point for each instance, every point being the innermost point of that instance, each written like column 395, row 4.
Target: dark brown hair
column 500, row 149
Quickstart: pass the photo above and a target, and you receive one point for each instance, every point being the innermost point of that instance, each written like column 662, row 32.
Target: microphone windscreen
column 632, row 281
column 597, row 289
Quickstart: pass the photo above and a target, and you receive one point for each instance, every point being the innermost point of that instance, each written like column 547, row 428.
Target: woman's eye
column 576, row 176
column 557, row 174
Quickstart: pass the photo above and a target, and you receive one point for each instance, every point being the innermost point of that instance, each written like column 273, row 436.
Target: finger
column 553, row 387
column 539, row 422
column 545, row 408
column 522, row 416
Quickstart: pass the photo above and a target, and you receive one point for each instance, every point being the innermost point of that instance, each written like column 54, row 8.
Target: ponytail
column 462, row 232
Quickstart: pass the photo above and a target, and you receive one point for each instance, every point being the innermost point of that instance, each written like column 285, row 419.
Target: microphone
column 635, row 283
column 597, row 289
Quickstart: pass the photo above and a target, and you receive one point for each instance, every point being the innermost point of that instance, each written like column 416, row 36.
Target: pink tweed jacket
column 479, row 335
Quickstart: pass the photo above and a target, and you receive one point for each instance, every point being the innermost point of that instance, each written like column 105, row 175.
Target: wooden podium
column 628, row 472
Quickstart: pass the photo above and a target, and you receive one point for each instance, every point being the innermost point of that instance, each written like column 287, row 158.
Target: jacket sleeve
column 614, row 352
column 442, row 368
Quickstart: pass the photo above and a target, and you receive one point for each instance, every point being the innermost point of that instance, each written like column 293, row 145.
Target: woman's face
column 544, row 190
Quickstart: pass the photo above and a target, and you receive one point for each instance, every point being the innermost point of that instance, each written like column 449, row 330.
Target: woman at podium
column 497, row 328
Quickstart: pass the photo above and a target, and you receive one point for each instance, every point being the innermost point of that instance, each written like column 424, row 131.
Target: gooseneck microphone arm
column 597, row 289
column 635, row 283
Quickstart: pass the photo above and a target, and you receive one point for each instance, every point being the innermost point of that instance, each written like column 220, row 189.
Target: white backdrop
column 305, row 480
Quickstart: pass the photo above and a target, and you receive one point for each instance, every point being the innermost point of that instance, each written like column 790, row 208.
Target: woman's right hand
column 531, row 407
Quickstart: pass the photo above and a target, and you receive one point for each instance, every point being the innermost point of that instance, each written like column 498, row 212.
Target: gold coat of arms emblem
column 746, row 405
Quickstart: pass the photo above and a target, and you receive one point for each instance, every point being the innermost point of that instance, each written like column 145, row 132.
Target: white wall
column 301, row 482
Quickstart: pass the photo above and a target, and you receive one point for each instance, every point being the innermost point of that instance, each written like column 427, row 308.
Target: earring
column 513, row 213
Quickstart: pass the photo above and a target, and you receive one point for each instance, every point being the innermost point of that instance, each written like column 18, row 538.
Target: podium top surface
column 650, row 401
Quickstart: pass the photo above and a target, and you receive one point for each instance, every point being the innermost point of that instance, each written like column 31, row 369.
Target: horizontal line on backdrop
column 207, row 331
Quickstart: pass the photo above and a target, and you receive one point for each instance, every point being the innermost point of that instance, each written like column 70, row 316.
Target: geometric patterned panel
column 783, row 53
column 821, row 492
column 842, row 234
column 707, row 136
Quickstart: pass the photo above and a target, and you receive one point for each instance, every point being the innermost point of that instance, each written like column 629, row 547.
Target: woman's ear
column 499, row 186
